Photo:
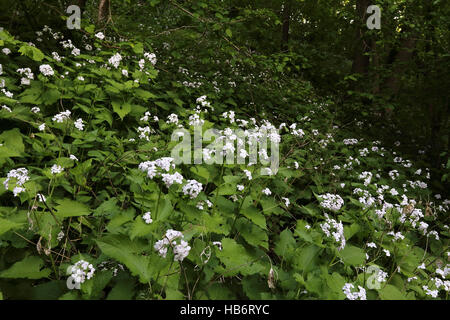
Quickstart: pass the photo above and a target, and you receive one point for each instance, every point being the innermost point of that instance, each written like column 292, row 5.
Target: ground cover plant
column 94, row 203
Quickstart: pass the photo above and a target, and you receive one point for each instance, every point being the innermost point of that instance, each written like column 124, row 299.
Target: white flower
column 267, row 191
column 72, row 157
column 76, row 52
column 394, row 192
column 4, row 107
column 192, row 188
column 6, row 51
column 240, row 187
column 433, row 293
column 125, row 72
column 115, row 60
column 330, row 201
column 350, row 141
column 35, row 110
column 41, row 197
column 170, row 179
column 338, row 234
column 357, row 295
column 60, row 117
column 141, row 64
column 248, row 174
column 147, row 217
column 56, row 56
column 173, row 239
column 42, row 127
column 21, row 176
column 387, row 252
column 218, row 244
column 287, row 202
column 79, row 124
column 172, row 118
column 55, row 169
column 150, row 57
column 371, row 245
column 100, row 35
column 181, row 251
column 46, row 70
column 81, row 271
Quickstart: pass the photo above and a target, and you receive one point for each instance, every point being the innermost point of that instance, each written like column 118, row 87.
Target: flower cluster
column 21, row 176
column 154, row 168
column 192, row 188
column 338, row 234
column 356, row 295
column 46, row 70
column 115, row 60
column 28, row 75
column 81, row 271
column 147, row 217
column 333, row 202
column 60, row 117
column 175, row 240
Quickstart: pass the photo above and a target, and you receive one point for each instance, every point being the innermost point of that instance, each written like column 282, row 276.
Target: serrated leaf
column 119, row 248
column 6, row 225
column 29, row 267
column 122, row 109
column 70, row 208
column 352, row 255
column 390, row 292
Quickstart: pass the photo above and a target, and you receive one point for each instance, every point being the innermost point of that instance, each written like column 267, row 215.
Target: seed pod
column 38, row 245
column 271, row 279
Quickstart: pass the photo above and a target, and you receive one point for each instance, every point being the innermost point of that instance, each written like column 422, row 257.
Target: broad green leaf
column 389, row 292
column 30, row 268
column 122, row 109
column 352, row 255
column 70, row 208
column 6, row 225
column 120, row 248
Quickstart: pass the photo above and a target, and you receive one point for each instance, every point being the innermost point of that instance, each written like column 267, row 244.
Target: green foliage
column 86, row 197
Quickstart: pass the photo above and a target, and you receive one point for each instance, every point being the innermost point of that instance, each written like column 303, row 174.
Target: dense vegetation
column 93, row 206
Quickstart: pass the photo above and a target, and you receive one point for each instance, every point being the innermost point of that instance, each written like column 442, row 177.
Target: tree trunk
column 286, row 21
column 360, row 59
column 81, row 4
column 402, row 58
column 376, row 65
column 103, row 11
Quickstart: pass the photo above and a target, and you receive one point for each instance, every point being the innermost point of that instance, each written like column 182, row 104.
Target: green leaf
column 6, row 225
column 29, row 268
column 285, row 244
column 122, row 109
column 120, row 248
column 353, row 255
column 389, row 292
column 255, row 216
column 31, row 52
column 70, row 208
column 229, row 33
column 12, row 144
column 305, row 258
column 252, row 234
column 123, row 290
column 236, row 259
